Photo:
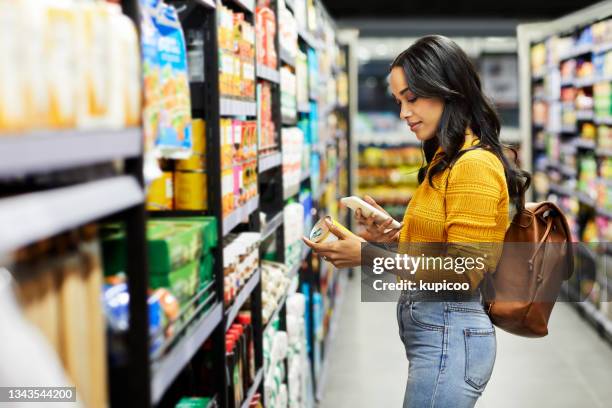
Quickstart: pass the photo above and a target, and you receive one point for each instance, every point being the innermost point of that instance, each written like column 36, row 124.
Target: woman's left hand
column 344, row 253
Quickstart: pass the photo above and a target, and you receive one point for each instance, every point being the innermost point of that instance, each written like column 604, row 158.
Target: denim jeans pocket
column 398, row 314
column 480, row 351
column 427, row 315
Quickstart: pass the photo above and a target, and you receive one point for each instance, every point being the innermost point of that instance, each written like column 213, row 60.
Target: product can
column 320, row 233
column 197, row 161
column 190, row 190
column 161, row 193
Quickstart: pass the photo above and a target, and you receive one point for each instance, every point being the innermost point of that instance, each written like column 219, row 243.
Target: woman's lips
column 413, row 126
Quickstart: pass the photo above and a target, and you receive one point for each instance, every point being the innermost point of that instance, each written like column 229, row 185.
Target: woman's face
column 421, row 114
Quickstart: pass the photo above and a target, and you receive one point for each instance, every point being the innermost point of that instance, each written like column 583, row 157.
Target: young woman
column 464, row 196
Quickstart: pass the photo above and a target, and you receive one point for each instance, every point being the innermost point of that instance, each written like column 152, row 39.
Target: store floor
column 572, row 367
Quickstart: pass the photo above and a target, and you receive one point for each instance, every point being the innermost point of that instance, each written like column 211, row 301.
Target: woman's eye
column 413, row 100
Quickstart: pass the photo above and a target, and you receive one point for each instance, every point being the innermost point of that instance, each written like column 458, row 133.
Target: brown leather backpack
column 537, row 257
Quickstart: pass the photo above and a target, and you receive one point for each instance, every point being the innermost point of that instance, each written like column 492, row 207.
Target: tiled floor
column 572, row 367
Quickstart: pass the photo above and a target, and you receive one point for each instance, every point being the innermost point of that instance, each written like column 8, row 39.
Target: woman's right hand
column 376, row 232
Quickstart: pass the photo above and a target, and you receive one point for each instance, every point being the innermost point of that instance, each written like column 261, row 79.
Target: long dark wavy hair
column 436, row 67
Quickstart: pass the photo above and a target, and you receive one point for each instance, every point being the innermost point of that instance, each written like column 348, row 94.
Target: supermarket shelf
column 584, row 114
column 567, row 82
column 577, row 51
column 235, row 107
column 584, row 82
column 287, row 121
column 253, row 389
column 56, row 150
column 305, row 176
column 569, row 129
column 605, row 120
column 308, row 38
column 291, row 191
column 272, row 225
column 267, row 73
column 286, row 57
column 30, row 217
column 604, row 213
column 242, row 297
column 584, row 143
column 585, row 199
column 208, row 3
column 239, row 214
column 169, row 366
column 290, row 4
column 599, row 48
column 537, row 76
column 567, row 170
column 303, row 107
column 600, row 151
column 556, row 188
column 269, row 161
column 604, row 181
column 596, row 317
column 247, row 5
column 291, row 289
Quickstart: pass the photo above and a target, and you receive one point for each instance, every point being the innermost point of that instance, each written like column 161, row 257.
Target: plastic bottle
column 245, row 319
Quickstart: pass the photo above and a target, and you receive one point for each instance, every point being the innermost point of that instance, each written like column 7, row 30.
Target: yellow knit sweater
column 469, row 206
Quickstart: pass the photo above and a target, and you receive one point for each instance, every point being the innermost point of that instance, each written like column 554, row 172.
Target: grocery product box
column 182, row 283
column 171, row 244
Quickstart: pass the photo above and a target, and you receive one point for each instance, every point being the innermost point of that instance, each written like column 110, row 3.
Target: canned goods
column 320, row 233
column 190, row 190
column 197, row 161
column 161, row 193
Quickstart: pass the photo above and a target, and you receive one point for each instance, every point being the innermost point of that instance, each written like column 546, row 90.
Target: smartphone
column 354, row 202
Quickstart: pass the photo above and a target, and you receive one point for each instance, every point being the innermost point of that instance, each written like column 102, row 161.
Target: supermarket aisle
column 570, row 368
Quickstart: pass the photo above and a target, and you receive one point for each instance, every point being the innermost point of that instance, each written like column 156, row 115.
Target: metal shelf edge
column 267, row 73
column 165, row 371
column 272, row 225
column 62, row 149
column 242, row 297
column 30, row 217
column 253, row 389
column 232, row 220
column 269, row 161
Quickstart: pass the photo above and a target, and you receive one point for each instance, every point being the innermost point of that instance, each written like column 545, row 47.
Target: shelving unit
column 566, row 113
column 97, row 176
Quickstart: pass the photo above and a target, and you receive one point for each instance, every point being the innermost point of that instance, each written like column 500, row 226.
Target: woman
column 450, row 344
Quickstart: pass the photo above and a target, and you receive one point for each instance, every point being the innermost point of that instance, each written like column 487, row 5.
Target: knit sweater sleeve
column 476, row 185
column 474, row 224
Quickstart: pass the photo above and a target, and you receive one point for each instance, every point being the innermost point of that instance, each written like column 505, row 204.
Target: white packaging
column 13, row 108
column 60, row 61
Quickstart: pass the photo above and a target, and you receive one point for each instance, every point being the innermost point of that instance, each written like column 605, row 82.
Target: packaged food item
column 167, row 111
column 191, row 192
column 197, row 161
column 96, row 41
column 160, row 196
column 193, row 402
column 182, row 282
column 61, row 68
column 125, row 101
column 13, row 108
column 321, row 233
column 171, row 244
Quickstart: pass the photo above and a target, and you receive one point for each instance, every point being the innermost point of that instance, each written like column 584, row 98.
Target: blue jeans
column 451, row 350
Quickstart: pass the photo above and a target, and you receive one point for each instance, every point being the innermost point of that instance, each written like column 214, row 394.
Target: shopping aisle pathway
column 570, row 368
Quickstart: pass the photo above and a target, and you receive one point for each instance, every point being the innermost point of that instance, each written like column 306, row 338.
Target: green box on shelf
column 171, row 244
column 209, row 230
column 183, row 282
column 206, row 267
column 193, row 402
